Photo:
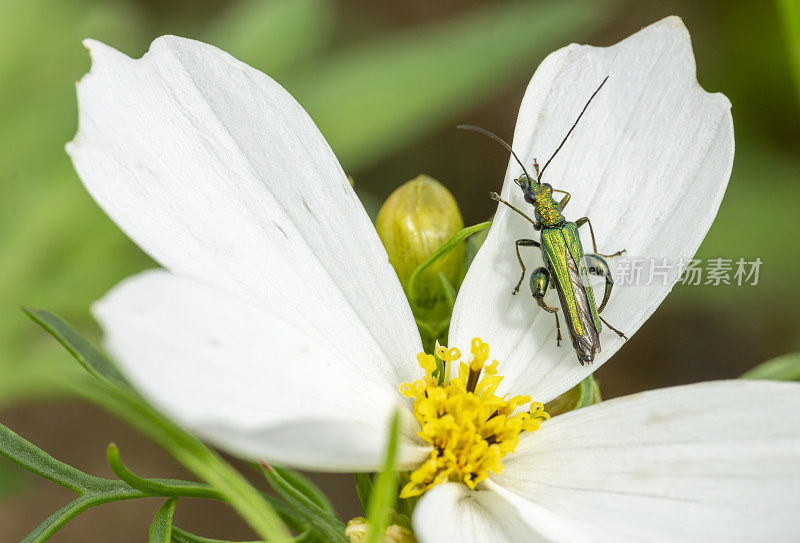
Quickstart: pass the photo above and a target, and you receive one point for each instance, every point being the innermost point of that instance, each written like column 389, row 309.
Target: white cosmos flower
column 277, row 329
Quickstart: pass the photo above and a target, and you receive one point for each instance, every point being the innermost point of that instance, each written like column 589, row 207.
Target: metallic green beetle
column 565, row 266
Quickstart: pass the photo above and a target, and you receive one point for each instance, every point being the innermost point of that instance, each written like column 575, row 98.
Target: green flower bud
column 585, row 393
column 416, row 219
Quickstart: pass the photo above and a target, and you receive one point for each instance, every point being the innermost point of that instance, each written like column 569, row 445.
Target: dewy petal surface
column 706, row 462
column 249, row 381
column 215, row 171
column 648, row 164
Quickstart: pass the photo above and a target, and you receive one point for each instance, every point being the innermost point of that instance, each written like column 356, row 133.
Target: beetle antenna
column 499, row 140
column 573, row 127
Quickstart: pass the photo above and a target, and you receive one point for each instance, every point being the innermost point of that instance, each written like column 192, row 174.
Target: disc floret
column 470, row 428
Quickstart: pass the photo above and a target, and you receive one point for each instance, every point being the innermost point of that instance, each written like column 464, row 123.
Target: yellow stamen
column 470, row 428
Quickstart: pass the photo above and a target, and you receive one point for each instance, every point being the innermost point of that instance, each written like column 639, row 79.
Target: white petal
column 452, row 512
column 214, row 170
column 707, row 462
column 648, row 164
column 245, row 379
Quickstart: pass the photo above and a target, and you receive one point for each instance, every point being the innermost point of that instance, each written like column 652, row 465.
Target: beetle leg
column 620, row 334
column 602, row 270
column 496, row 197
column 540, row 280
column 563, row 203
column 523, row 243
column 584, row 220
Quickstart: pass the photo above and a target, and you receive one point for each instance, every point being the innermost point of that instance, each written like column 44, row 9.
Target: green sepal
column 782, row 368
column 384, row 494
column 585, row 393
column 161, row 528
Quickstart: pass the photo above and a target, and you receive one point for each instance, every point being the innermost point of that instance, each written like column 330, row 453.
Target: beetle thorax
column 547, row 211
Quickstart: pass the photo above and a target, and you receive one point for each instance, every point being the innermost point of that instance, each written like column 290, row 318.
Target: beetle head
column 531, row 190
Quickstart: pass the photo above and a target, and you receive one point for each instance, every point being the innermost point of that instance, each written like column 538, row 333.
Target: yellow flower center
column 470, row 428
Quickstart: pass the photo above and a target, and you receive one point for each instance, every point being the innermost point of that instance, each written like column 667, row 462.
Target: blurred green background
column 386, row 82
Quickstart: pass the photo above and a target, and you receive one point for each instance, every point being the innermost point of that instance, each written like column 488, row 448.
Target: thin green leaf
column 307, row 487
column 323, row 521
column 441, row 252
column 158, row 486
column 161, row 528
column 182, row 536
column 113, row 491
column 190, row 452
column 384, row 495
column 473, row 244
column 91, row 359
column 783, row 368
column 363, row 489
column 57, row 520
column 27, row 455
column 97, row 490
